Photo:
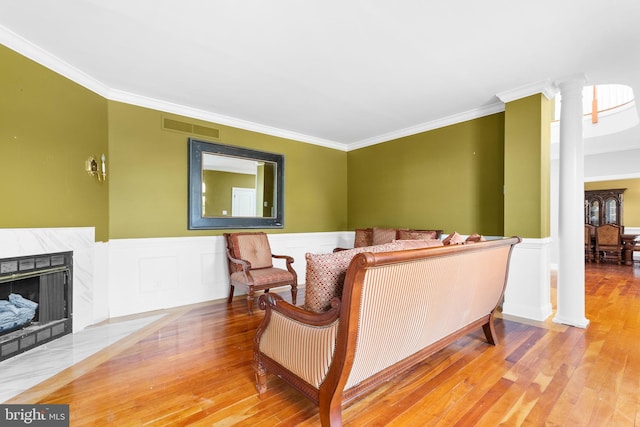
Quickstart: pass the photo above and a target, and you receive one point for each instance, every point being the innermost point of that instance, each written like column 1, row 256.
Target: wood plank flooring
column 193, row 367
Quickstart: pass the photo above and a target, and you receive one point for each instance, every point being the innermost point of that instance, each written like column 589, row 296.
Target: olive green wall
column 148, row 182
column 449, row 178
column 221, row 184
column 527, row 167
column 49, row 126
column 631, row 208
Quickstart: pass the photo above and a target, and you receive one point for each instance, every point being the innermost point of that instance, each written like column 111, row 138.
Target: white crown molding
column 424, row 127
column 169, row 107
column 24, row 47
column 545, row 87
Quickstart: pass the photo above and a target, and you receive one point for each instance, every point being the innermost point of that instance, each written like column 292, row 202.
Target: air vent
column 184, row 127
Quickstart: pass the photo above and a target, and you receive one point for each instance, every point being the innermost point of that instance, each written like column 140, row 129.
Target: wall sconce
column 92, row 168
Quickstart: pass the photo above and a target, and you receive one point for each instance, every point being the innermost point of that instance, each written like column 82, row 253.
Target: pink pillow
column 453, row 239
column 364, row 237
column 416, row 234
column 475, row 237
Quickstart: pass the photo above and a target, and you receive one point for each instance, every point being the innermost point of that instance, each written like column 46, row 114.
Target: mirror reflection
column 237, row 187
column 234, row 187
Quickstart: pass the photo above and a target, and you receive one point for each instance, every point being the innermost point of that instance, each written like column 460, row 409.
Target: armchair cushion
column 326, row 273
column 253, row 247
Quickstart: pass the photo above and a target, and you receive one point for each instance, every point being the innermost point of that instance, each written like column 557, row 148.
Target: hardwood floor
column 193, row 367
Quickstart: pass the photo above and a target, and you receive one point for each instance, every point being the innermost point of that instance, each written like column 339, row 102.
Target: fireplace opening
column 43, row 282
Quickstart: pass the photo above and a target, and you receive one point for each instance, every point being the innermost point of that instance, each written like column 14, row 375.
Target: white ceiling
column 338, row 73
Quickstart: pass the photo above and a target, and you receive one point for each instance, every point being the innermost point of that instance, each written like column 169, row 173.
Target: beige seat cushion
column 263, row 276
column 326, row 273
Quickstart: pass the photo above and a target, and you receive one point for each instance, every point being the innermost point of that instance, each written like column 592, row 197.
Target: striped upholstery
column 305, row 350
column 407, row 306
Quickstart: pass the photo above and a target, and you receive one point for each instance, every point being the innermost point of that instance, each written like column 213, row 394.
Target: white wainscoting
column 151, row 274
column 528, row 292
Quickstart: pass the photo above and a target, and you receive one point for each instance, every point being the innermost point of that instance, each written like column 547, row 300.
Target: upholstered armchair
column 251, row 266
column 609, row 243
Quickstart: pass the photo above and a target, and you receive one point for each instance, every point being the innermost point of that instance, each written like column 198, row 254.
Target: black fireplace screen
column 40, row 283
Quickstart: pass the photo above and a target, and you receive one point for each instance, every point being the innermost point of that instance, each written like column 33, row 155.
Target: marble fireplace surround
column 16, row 242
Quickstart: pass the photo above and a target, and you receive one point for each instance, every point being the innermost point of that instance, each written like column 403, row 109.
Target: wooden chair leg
column 294, row 294
column 231, row 290
column 250, row 295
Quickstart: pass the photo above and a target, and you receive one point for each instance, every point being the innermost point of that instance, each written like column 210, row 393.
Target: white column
column 570, row 306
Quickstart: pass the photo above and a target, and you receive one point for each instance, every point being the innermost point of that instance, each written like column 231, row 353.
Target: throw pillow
column 416, row 234
column 453, row 239
column 364, row 237
column 475, row 237
column 383, row 235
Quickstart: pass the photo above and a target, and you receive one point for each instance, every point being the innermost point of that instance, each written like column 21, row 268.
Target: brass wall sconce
column 92, row 168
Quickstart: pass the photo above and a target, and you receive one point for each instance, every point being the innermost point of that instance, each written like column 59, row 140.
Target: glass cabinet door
column 610, row 211
column 594, row 213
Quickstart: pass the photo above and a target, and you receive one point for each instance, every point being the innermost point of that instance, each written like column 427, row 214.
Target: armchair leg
column 250, row 295
column 231, row 290
column 294, row 293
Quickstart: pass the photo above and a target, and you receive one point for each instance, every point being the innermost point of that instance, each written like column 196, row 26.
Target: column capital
column 572, row 81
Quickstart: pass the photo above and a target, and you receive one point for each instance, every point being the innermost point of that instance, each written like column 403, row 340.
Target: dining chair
column 608, row 243
column 589, row 246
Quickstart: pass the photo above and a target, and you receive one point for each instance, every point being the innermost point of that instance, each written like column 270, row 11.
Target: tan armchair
column 251, row 267
column 608, row 243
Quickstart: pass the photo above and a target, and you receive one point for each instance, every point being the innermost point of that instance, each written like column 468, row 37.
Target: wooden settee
column 396, row 309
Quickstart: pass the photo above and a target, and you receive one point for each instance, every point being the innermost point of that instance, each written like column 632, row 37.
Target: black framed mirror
column 234, row 187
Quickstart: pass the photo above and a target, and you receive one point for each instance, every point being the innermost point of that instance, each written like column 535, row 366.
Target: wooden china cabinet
column 603, row 207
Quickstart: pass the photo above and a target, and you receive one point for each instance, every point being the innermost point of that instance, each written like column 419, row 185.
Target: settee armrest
column 295, row 343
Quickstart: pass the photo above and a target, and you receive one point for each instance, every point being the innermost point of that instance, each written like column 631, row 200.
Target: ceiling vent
column 184, row 127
